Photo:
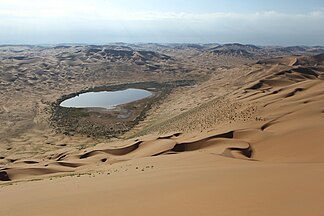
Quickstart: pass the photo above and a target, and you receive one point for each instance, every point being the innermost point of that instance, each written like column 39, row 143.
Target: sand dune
column 291, row 100
column 220, row 144
column 255, row 149
column 194, row 183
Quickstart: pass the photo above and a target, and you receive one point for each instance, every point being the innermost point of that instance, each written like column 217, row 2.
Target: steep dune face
column 293, row 103
column 192, row 183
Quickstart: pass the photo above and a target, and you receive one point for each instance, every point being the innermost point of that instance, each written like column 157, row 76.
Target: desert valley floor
column 239, row 131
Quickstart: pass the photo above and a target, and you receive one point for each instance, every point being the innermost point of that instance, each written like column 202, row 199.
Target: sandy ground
column 198, row 183
column 247, row 141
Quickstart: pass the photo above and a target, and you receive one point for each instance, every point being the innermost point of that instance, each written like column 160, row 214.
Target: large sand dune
column 255, row 147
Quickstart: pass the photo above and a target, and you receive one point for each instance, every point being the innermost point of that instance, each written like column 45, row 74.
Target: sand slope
column 195, row 183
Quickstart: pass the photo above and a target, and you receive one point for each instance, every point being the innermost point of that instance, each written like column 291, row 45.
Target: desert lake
column 106, row 99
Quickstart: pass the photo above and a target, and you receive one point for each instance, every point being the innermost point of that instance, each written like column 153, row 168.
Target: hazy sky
column 264, row 22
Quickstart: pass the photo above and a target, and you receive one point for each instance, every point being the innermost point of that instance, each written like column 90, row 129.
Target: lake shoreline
column 99, row 123
column 106, row 99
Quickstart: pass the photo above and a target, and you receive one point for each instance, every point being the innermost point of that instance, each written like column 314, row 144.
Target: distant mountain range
column 143, row 52
column 252, row 51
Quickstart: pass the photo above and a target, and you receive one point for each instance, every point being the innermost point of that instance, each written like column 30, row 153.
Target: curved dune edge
column 220, row 144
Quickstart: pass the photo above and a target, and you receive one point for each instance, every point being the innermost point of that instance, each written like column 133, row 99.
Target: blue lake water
column 106, row 99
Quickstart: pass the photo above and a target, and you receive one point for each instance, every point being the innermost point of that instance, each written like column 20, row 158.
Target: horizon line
column 160, row 43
